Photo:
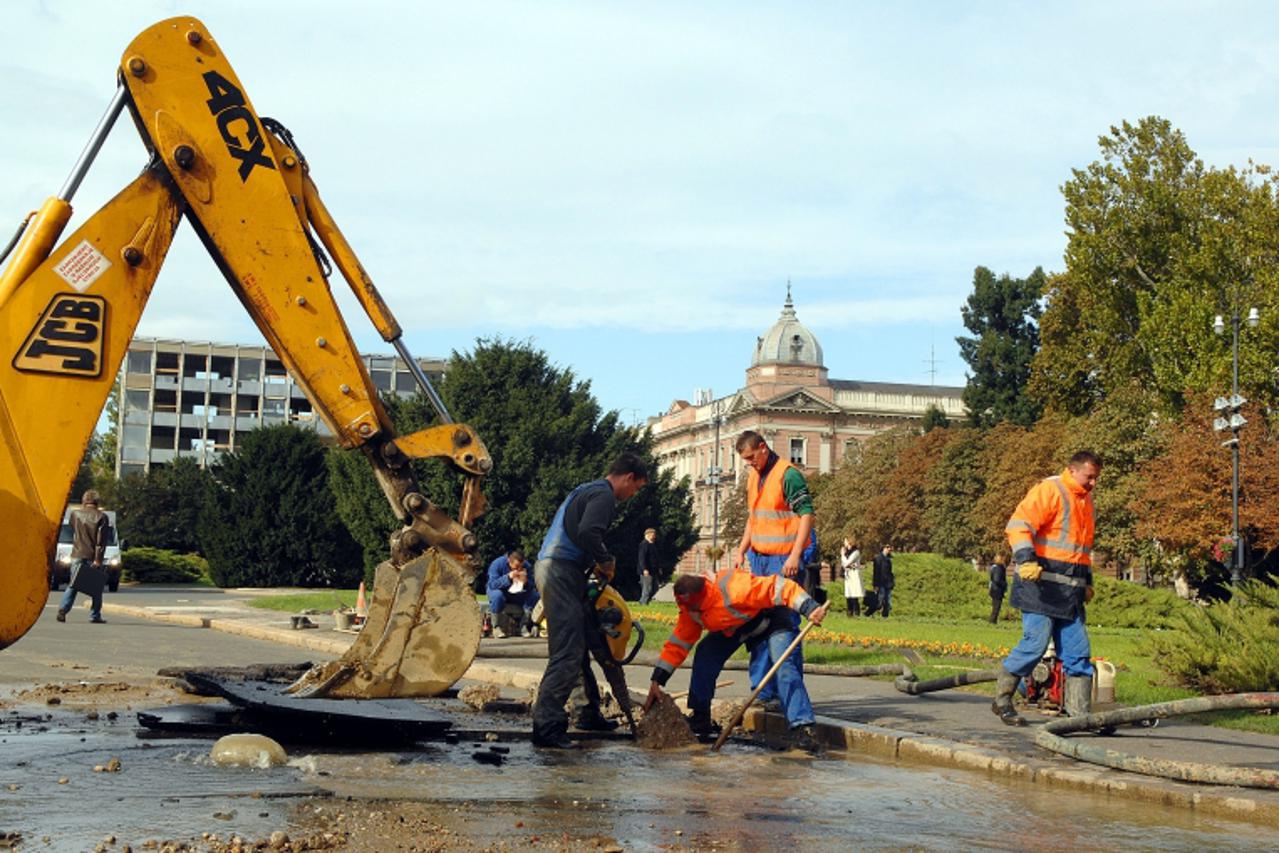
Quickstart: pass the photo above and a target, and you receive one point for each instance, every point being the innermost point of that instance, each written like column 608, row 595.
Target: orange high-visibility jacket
column 1055, row 519
column 1054, row 525
column 774, row 527
column 728, row 601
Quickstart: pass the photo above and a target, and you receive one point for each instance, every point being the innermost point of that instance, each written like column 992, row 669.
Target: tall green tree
column 1157, row 244
column 164, row 508
column 952, row 487
column 1002, row 314
column 270, row 519
column 546, row 433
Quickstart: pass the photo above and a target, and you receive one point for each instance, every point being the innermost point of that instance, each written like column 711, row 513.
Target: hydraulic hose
column 1049, row 737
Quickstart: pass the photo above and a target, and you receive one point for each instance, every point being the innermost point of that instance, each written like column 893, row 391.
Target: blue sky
column 632, row 185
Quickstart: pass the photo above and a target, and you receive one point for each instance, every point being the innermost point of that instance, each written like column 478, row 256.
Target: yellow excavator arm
column 70, row 308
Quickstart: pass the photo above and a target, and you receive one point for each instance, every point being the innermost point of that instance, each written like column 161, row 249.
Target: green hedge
column 936, row 587
column 156, row 565
column 1227, row 647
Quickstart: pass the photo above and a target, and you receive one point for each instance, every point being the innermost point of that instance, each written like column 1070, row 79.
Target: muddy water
column 752, row 799
column 742, row 798
column 165, row 789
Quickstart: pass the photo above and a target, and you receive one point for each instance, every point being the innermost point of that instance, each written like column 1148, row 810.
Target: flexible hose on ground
column 647, row 658
column 1049, row 737
column 907, row 683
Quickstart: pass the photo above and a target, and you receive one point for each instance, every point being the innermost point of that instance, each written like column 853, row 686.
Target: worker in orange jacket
column 735, row 608
column 1051, row 536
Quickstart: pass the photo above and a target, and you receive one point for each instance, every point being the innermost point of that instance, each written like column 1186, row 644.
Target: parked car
column 60, row 566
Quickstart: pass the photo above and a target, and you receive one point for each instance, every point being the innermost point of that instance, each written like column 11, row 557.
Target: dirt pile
column 479, row 695
column 664, row 727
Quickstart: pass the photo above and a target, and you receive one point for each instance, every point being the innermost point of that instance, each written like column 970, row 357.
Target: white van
column 60, row 567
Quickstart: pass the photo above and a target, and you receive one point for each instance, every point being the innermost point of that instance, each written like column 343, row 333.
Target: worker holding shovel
column 736, row 608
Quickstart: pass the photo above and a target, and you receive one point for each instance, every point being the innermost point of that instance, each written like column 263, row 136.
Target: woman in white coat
column 850, row 559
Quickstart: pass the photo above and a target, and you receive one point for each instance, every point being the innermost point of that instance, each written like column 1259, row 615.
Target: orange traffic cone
column 361, row 606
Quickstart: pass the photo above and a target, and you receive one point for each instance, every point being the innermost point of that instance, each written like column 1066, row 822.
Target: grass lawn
column 945, row 645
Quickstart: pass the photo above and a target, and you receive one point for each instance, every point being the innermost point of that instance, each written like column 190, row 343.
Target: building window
column 381, row 380
column 797, row 451
column 405, row 383
column 138, row 362
column 137, row 400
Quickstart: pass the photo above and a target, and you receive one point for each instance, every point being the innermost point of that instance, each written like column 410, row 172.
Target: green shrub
column 1228, row 647
column 156, row 565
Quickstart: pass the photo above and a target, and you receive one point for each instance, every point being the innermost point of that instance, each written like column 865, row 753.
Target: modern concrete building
column 188, row 398
column 804, row 415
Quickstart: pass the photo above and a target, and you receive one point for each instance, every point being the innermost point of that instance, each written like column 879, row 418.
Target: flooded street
column 439, row 796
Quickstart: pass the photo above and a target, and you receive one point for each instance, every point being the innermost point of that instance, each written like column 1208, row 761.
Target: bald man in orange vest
column 777, row 539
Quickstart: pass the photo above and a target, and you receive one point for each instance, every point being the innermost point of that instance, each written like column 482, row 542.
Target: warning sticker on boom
column 67, row 339
column 82, row 266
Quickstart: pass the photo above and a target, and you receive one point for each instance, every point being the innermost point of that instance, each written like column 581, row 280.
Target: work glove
column 605, row 571
column 1088, row 594
column 654, row 693
column 1030, row 571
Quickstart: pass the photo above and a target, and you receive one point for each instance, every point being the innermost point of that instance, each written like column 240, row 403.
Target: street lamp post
column 714, row 481
column 1229, row 418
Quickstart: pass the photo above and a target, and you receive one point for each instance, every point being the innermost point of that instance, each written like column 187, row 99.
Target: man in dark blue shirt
column 573, row 548
column 509, row 583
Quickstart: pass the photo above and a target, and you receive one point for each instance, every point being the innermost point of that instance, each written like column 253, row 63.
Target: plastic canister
column 1103, row 682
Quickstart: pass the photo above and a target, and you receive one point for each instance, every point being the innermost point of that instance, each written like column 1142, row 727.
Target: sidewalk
column 951, row 728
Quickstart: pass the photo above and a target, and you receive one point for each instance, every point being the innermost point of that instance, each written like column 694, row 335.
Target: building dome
column 788, row 341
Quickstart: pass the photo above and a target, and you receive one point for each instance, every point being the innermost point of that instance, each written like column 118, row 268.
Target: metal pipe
column 1236, row 571
column 423, row 381
column 94, row 144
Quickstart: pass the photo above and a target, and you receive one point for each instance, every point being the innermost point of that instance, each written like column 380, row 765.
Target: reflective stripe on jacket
column 729, row 600
column 1053, row 525
column 774, row 526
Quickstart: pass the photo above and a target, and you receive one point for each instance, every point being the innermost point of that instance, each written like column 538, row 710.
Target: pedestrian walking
column 646, row 562
column 89, row 543
column 998, row 586
column 882, row 578
column 850, row 561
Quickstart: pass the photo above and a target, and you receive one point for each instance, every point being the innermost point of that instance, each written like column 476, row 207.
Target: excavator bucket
column 422, row 632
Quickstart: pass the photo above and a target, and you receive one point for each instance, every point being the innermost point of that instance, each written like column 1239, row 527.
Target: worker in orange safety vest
column 1051, row 535
column 778, row 540
column 735, row 608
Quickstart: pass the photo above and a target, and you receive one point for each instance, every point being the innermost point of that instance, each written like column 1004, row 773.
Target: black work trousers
column 995, row 605
column 563, row 588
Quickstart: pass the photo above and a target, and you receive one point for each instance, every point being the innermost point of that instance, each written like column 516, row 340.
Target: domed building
column 788, row 398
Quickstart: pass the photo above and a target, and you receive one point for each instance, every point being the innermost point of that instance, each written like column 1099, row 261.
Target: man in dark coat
column 882, row 578
column 998, row 586
column 646, row 563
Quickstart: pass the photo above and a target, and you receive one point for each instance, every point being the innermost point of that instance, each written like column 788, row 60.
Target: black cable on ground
column 1049, row 737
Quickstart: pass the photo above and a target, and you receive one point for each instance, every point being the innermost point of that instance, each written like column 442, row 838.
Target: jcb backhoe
column 69, row 310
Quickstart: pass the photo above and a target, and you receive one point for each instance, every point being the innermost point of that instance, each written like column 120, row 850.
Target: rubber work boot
column 591, row 720
column 559, row 740
column 1079, row 699
column 701, row 723
column 805, row 738
column 1005, row 687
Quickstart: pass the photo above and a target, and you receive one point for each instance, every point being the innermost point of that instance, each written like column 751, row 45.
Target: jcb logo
column 228, row 108
column 67, row 340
